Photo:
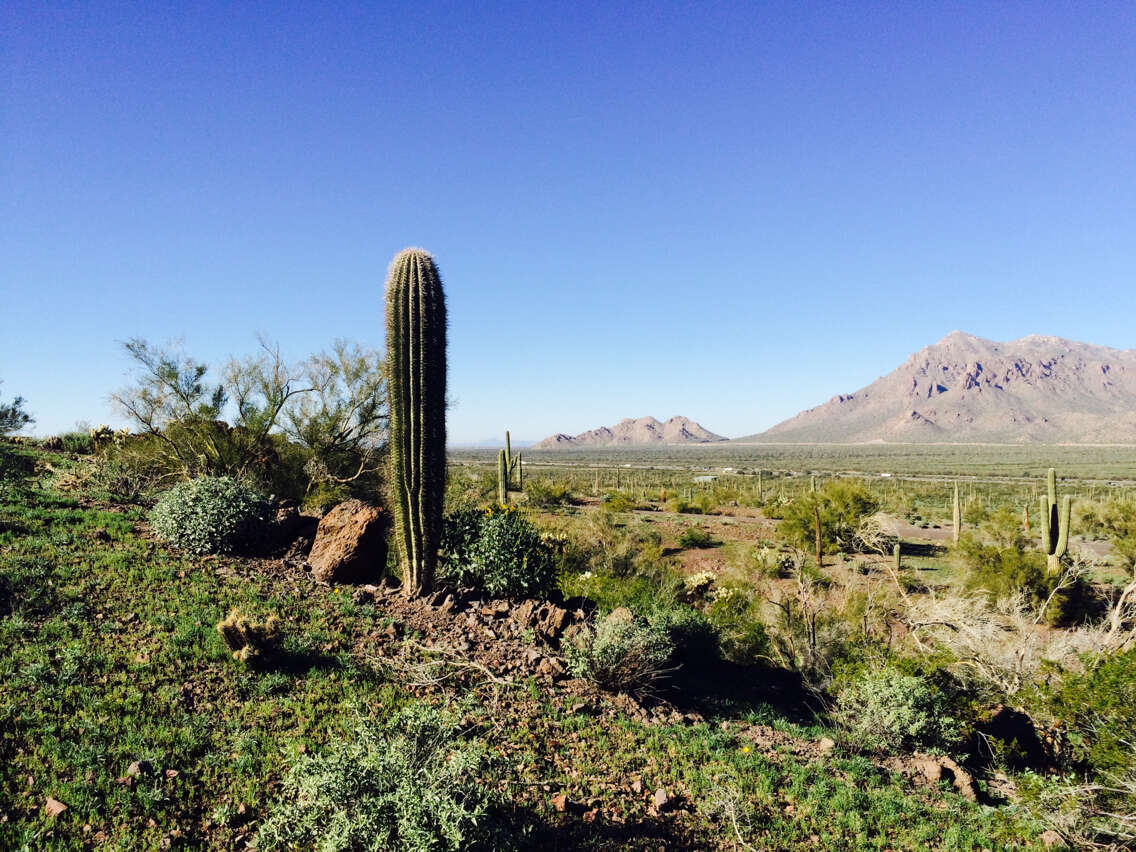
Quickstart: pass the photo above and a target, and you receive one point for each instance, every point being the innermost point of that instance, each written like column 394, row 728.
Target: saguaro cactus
column 1055, row 523
column 416, row 361
column 957, row 515
column 502, row 479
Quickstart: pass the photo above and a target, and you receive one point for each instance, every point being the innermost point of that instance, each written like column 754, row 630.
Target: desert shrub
column 843, row 507
column 211, row 515
column 460, row 531
column 735, row 615
column 324, row 497
column 546, row 494
column 694, row 638
column 890, row 711
column 499, row 551
column 1004, row 571
column 696, row 537
column 1094, row 803
column 621, row 654
column 13, row 417
column 1098, row 708
column 411, row 784
column 76, row 442
column 617, row 501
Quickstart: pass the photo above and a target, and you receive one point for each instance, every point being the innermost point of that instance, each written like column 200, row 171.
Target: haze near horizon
column 731, row 215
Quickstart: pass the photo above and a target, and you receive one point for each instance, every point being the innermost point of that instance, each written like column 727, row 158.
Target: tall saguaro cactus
column 416, row 361
column 1055, row 523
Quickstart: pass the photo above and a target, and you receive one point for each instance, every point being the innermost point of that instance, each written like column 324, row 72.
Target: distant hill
column 966, row 389
column 645, row 431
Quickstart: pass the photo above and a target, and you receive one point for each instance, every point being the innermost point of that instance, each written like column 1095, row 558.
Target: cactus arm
column 1062, row 545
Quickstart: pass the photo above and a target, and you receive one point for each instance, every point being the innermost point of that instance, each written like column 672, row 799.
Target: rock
column 54, row 807
column 826, row 745
column 350, row 545
column 943, row 768
column 140, row 768
column 523, row 613
column 551, row 667
column 660, row 799
column 620, row 614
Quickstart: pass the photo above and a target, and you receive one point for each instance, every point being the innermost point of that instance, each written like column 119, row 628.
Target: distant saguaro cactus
column 502, row 479
column 957, row 514
column 897, row 557
column 1055, row 523
column 416, row 361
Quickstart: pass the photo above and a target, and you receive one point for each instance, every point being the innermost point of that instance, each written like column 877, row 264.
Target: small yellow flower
column 745, row 749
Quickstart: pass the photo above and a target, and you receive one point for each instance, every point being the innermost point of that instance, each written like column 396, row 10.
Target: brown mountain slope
column 629, row 433
column 967, row 389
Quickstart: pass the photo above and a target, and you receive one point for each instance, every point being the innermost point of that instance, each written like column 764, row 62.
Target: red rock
column 350, row 545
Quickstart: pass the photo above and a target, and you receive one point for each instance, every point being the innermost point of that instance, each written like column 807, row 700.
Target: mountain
column 645, row 431
column 966, row 389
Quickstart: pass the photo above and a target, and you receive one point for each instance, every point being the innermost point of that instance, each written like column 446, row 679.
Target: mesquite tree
column 416, row 363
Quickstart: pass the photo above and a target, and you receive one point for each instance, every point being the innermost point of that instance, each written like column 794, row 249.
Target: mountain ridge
column 967, row 389
column 642, row 431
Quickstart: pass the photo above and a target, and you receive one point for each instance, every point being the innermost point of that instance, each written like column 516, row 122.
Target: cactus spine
column 956, row 516
column 502, row 479
column 416, row 361
column 1055, row 523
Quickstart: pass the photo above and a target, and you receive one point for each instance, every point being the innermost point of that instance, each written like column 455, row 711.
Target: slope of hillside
column 968, row 389
column 628, row 433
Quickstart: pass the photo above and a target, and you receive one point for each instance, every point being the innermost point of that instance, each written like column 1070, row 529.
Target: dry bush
column 1004, row 643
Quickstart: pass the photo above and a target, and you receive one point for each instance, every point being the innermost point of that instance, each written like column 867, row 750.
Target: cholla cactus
column 251, row 643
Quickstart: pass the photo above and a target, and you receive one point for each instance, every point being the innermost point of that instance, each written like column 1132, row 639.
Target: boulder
column 351, row 544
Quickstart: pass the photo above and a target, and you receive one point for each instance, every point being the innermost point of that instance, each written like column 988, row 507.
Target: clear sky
column 730, row 211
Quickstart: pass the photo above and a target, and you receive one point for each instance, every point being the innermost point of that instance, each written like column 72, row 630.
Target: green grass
column 108, row 655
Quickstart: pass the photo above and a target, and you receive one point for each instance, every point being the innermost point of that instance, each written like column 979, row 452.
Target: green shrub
column 76, row 442
column 891, row 711
column 211, row 515
column 411, row 784
column 497, row 551
column 545, row 494
column 1098, row 708
column 735, row 615
column 621, row 654
column 694, row 638
column 843, row 506
column 1004, row 570
column 696, row 537
column 616, row 501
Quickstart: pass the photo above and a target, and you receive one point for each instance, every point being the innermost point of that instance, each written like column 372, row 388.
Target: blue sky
column 730, row 211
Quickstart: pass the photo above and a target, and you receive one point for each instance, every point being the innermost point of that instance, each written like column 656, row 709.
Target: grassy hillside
column 119, row 700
